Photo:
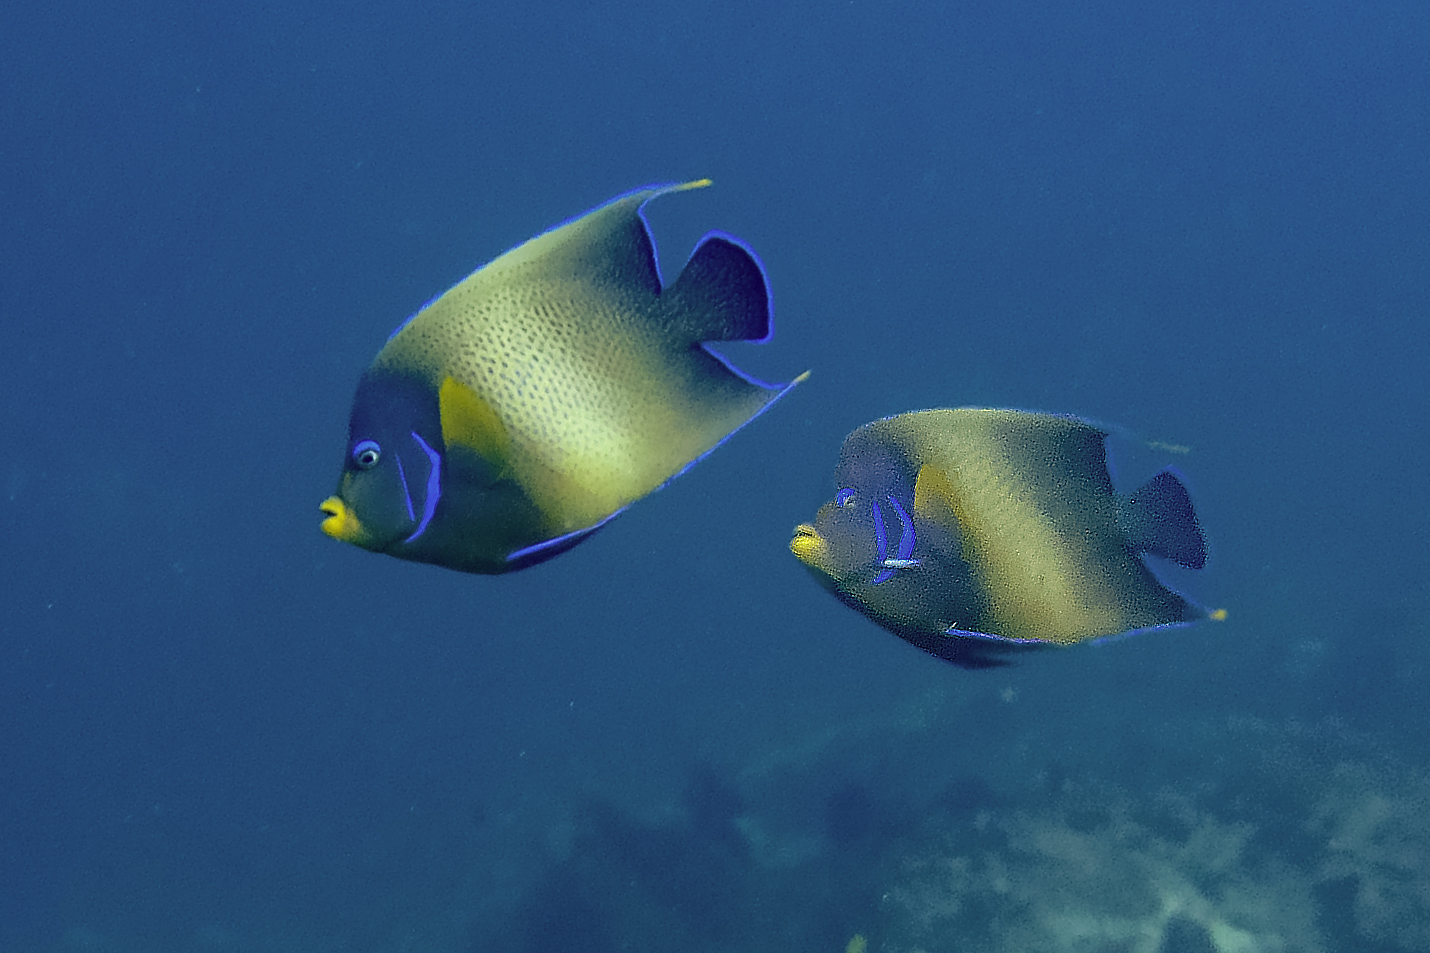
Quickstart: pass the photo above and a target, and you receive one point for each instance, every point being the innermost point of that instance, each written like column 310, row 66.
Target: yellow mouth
column 341, row 523
column 807, row 544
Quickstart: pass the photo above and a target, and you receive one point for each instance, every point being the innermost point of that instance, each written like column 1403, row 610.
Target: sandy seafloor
column 221, row 731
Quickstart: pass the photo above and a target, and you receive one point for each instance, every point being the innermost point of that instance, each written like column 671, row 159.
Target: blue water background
column 1208, row 223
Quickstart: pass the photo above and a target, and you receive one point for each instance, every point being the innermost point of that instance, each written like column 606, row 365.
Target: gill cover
column 391, row 485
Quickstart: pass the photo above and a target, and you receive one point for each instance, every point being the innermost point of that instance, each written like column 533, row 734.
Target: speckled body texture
column 598, row 378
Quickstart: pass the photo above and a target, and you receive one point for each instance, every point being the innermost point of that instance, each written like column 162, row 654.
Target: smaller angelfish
column 973, row 532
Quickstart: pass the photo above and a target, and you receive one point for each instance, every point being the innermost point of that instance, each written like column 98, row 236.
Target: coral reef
column 1375, row 828
column 1290, row 850
column 1099, row 872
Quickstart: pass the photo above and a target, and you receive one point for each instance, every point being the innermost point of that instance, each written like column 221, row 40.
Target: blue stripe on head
column 406, row 493
column 434, row 487
column 906, row 531
column 881, row 542
column 881, row 536
column 906, row 541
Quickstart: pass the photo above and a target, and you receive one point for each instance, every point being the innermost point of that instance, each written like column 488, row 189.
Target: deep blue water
column 220, row 730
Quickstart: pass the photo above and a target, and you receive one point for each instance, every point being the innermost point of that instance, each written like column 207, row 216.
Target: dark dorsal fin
column 721, row 294
column 1159, row 519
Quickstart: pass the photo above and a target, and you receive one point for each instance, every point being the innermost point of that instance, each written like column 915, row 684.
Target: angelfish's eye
column 366, row 454
column 844, row 497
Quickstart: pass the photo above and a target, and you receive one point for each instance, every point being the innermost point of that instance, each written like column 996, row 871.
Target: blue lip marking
column 434, row 486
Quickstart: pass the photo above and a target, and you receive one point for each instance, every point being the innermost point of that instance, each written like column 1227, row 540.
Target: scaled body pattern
column 972, row 532
column 524, row 408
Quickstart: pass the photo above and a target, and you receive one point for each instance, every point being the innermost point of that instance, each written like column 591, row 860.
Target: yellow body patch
column 558, row 361
column 569, row 382
column 468, row 421
column 1036, row 576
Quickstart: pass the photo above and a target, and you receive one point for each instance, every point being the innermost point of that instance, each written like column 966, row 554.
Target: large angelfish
column 973, row 532
column 520, row 411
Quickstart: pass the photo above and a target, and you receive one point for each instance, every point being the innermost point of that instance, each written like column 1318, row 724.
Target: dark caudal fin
column 721, row 295
column 1159, row 519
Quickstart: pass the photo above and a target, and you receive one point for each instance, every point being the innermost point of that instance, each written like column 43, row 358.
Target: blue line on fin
column 989, row 637
column 565, row 540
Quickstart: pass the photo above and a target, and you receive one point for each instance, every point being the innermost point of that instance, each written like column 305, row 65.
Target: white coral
column 1376, row 829
column 1116, row 883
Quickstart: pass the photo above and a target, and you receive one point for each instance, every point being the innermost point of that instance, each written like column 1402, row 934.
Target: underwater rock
column 1186, row 936
column 1144, row 881
column 1098, row 866
column 1267, row 838
column 1374, row 822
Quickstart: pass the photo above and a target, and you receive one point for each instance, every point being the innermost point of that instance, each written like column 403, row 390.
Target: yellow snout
column 341, row 523
column 807, row 544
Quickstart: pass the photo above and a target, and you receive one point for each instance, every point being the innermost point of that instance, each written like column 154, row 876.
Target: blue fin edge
column 781, row 391
column 1099, row 640
column 567, row 540
column 564, row 541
